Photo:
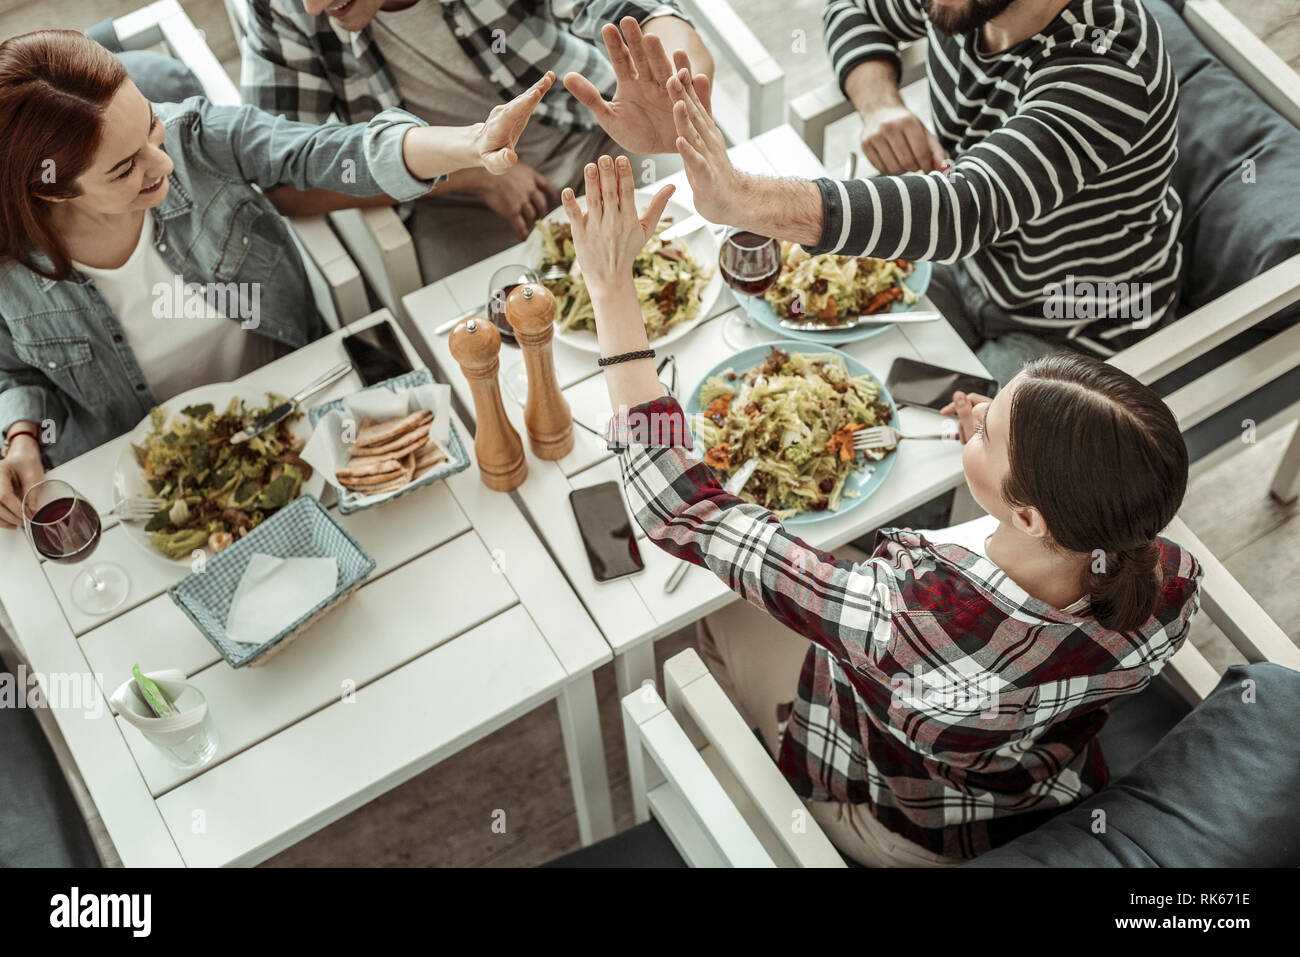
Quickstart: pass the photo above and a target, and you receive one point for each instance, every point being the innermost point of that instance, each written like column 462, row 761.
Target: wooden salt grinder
column 530, row 310
column 475, row 344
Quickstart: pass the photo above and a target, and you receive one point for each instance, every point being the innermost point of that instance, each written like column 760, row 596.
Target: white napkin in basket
column 275, row 592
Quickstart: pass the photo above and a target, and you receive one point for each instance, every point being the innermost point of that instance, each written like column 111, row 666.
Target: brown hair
column 54, row 88
column 1102, row 458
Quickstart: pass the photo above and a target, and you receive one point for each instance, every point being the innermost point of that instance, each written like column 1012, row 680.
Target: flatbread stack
column 391, row 454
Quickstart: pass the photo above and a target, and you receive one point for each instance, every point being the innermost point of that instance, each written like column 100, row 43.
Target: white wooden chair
column 712, row 787
column 1197, row 332
column 336, row 283
column 379, row 240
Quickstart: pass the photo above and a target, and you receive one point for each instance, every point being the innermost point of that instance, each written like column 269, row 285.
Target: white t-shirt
column 178, row 345
column 969, row 535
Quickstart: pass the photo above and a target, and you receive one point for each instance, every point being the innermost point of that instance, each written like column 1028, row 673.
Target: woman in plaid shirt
column 947, row 690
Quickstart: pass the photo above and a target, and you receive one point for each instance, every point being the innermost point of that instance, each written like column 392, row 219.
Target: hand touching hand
column 608, row 236
column 715, row 183
column 19, row 471
column 964, row 406
column 640, row 117
column 495, row 138
column 896, row 141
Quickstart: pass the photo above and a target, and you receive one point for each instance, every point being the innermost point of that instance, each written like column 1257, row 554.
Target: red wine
column 750, row 286
column 66, row 530
column 497, row 313
column 749, row 263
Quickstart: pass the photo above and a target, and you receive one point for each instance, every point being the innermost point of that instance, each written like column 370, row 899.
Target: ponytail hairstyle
column 54, row 88
column 1102, row 459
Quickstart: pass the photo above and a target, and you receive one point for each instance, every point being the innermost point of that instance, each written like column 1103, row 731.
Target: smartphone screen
column 376, row 353
column 918, row 383
column 606, row 531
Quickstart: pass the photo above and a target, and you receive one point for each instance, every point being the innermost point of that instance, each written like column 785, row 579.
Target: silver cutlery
column 732, row 486
column 136, row 508
column 885, row 436
column 875, row 318
column 285, row 409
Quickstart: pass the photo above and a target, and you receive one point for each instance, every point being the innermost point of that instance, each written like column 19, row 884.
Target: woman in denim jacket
column 138, row 257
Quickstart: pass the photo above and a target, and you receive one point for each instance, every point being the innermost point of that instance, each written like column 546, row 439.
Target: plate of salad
column 829, row 288
column 677, row 280
column 213, row 492
column 796, row 408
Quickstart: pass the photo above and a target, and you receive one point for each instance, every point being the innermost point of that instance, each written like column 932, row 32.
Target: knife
column 282, row 411
column 876, row 318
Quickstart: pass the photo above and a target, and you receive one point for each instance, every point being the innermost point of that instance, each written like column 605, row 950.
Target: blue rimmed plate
column 865, row 480
column 762, row 313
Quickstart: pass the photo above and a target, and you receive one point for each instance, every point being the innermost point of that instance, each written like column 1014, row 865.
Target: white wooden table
column 632, row 612
column 464, row 625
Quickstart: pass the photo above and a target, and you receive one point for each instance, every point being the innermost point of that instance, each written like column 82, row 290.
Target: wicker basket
column 302, row 528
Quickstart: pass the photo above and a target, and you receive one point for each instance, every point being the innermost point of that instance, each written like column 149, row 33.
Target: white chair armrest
column 702, row 822
column 1240, row 617
column 1246, row 55
column 698, row 703
column 1201, row 330
column 763, row 76
column 335, row 278
column 384, row 251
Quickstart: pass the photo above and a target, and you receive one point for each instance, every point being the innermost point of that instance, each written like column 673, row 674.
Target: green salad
column 215, row 492
column 668, row 281
column 797, row 413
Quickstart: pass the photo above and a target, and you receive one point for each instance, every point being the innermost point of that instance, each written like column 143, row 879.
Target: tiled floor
column 444, row 816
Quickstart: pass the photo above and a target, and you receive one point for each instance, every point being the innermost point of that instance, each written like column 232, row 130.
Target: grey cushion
column 40, row 823
column 1218, row 791
column 1232, row 231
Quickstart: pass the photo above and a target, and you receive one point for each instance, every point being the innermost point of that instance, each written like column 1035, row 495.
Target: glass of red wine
column 503, row 281
column 64, row 527
column 749, row 264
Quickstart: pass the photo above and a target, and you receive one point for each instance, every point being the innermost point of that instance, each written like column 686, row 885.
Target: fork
column 137, row 508
column 732, row 486
column 886, row 436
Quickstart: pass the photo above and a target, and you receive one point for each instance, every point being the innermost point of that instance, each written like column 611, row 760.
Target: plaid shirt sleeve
column 588, row 16
column 281, row 71
column 840, row 605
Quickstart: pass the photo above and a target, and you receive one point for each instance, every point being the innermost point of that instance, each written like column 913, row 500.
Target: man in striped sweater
column 1055, row 210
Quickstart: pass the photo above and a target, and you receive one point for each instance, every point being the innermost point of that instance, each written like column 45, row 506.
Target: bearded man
column 1045, row 186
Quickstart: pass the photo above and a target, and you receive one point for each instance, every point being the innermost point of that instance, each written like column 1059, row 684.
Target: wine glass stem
column 95, row 581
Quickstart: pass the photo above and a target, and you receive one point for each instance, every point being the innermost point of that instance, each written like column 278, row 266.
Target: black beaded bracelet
column 626, row 357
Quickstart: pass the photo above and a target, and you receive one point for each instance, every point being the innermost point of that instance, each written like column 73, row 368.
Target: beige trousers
column 757, row 661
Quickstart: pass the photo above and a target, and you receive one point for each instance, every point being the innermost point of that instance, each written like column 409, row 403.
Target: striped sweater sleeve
column 1076, row 119
column 860, row 30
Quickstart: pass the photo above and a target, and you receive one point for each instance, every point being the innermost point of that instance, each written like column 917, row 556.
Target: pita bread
column 374, row 436
column 398, row 447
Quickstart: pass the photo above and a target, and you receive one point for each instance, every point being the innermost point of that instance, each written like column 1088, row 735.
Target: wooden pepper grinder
column 530, row 310
column 475, row 344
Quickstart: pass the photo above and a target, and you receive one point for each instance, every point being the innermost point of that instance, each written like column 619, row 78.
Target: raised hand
column 608, row 236
column 714, row 181
column 495, row 138
column 640, row 117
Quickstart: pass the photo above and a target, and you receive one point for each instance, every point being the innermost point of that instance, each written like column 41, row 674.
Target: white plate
column 702, row 243
column 128, row 481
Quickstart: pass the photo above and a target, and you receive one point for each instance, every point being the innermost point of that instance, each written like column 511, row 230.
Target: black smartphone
column 376, row 353
column 919, row 383
column 606, row 531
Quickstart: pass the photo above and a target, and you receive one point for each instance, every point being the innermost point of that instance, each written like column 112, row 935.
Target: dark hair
column 54, row 88
column 1101, row 457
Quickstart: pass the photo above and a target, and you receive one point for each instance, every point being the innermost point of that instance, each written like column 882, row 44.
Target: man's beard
column 974, row 15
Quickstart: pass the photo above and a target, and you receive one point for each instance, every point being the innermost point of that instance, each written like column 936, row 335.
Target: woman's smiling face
column 130, row 169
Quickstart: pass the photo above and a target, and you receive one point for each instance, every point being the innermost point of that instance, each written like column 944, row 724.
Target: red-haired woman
column 943, row 695
column 138, row 257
